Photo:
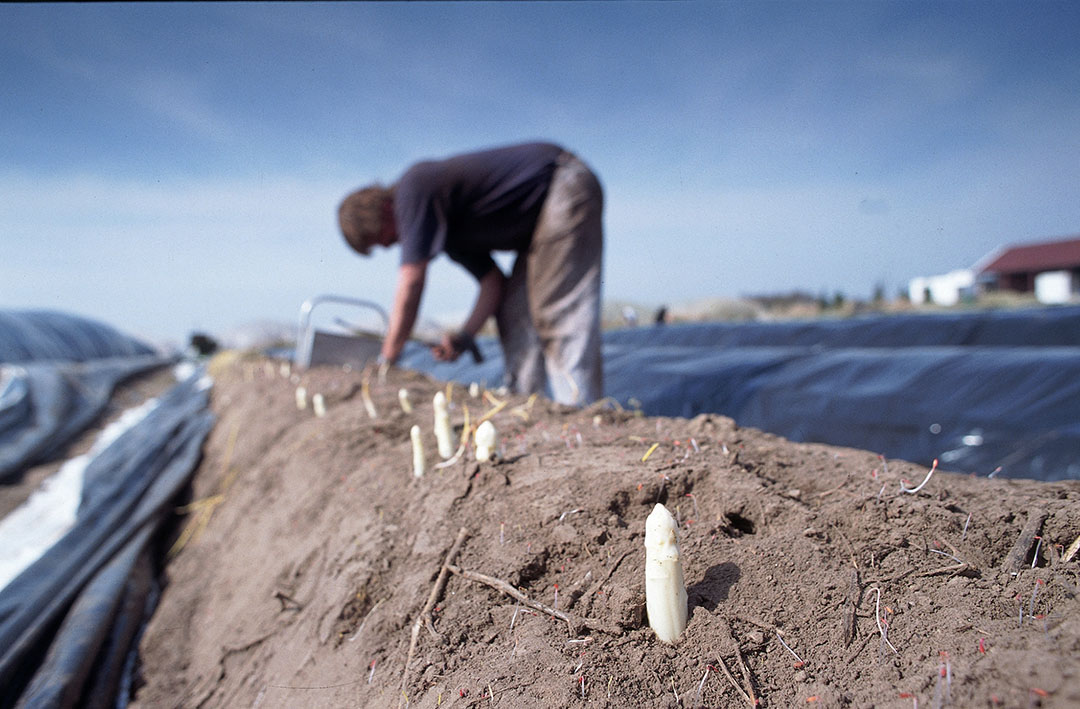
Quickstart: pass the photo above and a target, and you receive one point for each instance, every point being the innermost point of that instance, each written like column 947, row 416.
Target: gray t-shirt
column 470, row 205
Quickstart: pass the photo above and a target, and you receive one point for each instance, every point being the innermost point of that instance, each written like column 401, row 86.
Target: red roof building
column 1015, row 268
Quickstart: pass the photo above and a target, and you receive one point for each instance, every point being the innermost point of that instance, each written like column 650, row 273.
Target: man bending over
column 535, row 199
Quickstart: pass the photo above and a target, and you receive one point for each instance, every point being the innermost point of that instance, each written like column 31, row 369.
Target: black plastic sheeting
column 47, row 335
column 978, row 391
column 128, row 489
column 1040, row 327
column 69, row 621
column 59, row 372
column 43, row 406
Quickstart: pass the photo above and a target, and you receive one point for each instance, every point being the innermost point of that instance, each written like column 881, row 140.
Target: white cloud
column 179, row 100
column 174, row 95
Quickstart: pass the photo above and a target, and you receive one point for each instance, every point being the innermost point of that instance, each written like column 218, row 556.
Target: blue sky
column 172, row 167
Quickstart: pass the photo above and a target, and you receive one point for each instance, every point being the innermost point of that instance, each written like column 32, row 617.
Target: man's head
column 366, row 218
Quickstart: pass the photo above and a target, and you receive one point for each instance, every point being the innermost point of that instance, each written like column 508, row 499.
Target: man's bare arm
column 410, row 286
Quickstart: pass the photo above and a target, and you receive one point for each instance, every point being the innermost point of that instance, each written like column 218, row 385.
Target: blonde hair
column 361, row 215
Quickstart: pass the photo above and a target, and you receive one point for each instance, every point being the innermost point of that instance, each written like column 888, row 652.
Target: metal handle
column 305, row 333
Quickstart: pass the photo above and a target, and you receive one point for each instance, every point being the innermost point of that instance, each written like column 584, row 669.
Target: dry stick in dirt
column 851, row 602
column 1071, row 551
column 424, row 618
column 588, row 595
column 1015, row 560
column 572, row 622
column 730, row 678
column 742, row 666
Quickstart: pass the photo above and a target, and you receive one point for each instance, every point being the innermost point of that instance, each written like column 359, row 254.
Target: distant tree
column 838, row 300
column 879, row 294
column 782, row 300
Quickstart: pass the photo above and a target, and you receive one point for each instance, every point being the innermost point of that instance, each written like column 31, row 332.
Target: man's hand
column 452, row 346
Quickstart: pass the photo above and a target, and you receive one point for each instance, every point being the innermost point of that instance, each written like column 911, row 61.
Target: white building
column 946, row 289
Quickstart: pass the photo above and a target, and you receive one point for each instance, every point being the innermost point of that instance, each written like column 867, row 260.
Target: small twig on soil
column 895, row 577
column 955, row 570
column 858, row 650
column 746, row 676
column 1015, row 559
column 424, row 618
column 730, row 678
column 742, row 666
column 492, row 411
column 504, row 587
column 832, row 490
column 853, row 594
column 365, row 396
column 598, row 585
column 1071, row 551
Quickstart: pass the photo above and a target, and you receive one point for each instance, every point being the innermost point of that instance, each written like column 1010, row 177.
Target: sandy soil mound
column 813, row 580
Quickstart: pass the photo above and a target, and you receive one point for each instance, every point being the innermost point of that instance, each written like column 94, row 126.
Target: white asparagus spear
column 485, row 441
column 443, row 434
column 301, row 398
column 318, row 404
column 665, row 591
column 403, row 399
column 417, row 452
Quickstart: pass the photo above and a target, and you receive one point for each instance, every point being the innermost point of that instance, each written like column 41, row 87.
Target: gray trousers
column 549, row 320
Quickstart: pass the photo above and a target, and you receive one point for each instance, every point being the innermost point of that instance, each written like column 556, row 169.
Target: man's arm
column 410, row 286
column 492, row 287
